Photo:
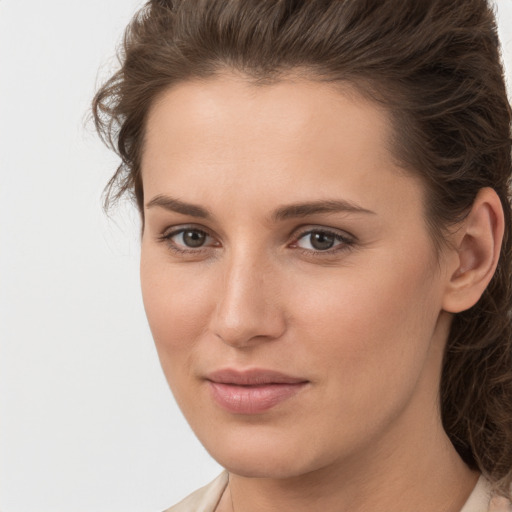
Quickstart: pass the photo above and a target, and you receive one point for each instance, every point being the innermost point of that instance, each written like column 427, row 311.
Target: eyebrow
column 282, row 213
column 175, row 205
column 310, row 208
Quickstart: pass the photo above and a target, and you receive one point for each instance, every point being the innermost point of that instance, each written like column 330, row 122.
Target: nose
column 248, row 312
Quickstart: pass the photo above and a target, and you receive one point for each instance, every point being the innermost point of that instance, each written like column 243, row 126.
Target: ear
column 476, row 251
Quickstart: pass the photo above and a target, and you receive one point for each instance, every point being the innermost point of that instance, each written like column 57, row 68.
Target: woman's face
column 288, row 276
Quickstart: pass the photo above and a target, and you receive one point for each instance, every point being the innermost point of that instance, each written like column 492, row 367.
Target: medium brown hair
column 435, row 65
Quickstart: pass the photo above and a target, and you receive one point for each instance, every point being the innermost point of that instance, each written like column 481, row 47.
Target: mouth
column 252, row 391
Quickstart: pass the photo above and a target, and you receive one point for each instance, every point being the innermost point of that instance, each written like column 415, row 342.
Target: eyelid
column 174, row 230
column 305, row 230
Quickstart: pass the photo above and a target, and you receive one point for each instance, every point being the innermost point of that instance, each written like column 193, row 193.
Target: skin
column 364, row 322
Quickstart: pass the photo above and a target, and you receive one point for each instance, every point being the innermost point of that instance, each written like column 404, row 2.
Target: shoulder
column 482, row 499
column 204, row 499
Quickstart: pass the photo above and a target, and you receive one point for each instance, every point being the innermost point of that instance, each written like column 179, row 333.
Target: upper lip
column 252, row 377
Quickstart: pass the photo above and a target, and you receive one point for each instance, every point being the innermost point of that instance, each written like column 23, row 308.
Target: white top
column 207, row 498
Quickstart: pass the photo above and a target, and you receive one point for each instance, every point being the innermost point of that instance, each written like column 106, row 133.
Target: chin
column 259, row 467
column 256, row 455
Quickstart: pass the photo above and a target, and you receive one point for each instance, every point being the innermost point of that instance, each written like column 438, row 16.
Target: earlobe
column 477, row 247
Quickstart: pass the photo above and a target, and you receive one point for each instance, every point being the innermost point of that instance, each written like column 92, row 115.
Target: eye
column 188, row 239
column 191, row 238
column 323, row 240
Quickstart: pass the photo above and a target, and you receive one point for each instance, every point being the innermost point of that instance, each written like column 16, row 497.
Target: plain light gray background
column 86, row 420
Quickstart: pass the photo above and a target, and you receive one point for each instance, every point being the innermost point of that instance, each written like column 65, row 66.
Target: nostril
column 248, row 327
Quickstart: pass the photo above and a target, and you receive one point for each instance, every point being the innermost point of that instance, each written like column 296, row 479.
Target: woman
column 326, row 250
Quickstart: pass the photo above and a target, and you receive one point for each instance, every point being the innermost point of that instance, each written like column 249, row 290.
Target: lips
column 252, row 391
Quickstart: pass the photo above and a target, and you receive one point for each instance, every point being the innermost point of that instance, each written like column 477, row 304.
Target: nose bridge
column 247, row 309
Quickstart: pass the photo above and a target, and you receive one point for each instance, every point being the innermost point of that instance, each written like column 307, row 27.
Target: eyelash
column 346, row 241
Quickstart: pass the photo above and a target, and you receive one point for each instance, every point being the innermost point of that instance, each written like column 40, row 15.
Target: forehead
column 295, row 135
column 232, row 110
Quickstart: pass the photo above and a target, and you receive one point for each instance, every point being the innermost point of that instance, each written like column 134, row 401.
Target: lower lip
column 252, row 399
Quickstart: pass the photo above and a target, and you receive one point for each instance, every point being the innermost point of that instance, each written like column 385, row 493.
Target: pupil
column 193, row 238
column 322, row 241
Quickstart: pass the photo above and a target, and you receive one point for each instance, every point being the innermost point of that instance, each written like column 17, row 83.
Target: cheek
column 176, row 306
column 371, row 330
column 367, row 339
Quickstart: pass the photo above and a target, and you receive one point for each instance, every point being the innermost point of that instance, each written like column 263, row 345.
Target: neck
column 436, row 480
